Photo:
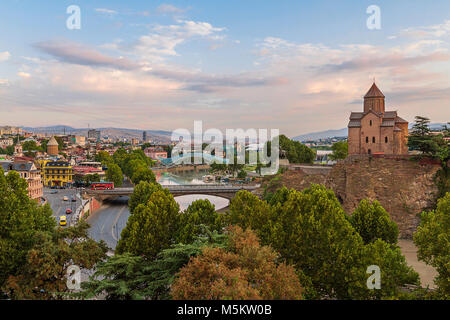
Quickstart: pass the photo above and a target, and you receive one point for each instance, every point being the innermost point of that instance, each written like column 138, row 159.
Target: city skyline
column 298, row 67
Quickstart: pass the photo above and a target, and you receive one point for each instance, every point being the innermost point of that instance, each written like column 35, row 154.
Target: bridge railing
column 174, row 188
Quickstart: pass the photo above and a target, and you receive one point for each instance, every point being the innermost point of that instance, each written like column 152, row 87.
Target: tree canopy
column 295, row 151
column 151, row 226
column 429, row 145
column 114, row 174
column 242, row 270
column 373, row 222
column 340, row 150
column 127, row 276
column 34, row 255
column 310, row 230
column 433, row 241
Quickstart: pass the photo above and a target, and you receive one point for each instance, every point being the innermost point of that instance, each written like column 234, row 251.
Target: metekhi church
column 375, row 130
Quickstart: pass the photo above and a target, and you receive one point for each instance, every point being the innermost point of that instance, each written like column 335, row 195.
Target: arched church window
column 370, row 122
column 367, row 139
column 386, row 139
column 373, row 139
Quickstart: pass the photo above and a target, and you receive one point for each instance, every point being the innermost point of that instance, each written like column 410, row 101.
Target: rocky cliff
column 403, row 187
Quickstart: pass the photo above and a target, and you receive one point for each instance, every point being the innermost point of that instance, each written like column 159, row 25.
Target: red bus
column 102, row 185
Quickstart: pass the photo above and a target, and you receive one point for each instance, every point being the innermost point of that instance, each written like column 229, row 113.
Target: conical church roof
column 52, row 142
column 374, row 92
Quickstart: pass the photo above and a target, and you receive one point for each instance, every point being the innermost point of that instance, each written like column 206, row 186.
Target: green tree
column 421, row 126
column 242, row 174
column 142, row 192
column 143, row 174
column 30, row 146
column 133, row 165
column 104, row 157
column 295, row 151
column 60, row 143
column 310, row 230
column 248, row 211
column 151, row 227
column 9, row 150
column 433, row 241
column 114, row 174
column 420, row 138
column 199, row 214
column 33, row 253
column 44, row 145
column 218, row 167
column 44, row 273
column 373, row 222
column 88, row 179
column 135, row 277
column 394, row 271
column 21, row 219
column 340, row 150
column 120, row 277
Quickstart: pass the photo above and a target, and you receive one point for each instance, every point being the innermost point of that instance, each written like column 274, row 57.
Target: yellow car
column 62, row 221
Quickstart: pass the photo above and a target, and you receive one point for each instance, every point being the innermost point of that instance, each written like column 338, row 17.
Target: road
column 107, row 222
column 58, row 205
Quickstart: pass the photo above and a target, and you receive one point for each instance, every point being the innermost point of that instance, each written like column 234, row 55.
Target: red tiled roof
column 390, row 114
column 400, row 120
column 354, row 124
column 356, row 115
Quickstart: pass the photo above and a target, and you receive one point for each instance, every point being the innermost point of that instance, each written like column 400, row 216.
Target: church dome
column 52, row 142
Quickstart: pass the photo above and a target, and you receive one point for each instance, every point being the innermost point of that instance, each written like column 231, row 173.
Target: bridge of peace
column 218, row 190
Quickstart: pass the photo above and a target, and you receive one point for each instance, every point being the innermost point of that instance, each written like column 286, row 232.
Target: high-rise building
column 94, row 134
column 144, row 136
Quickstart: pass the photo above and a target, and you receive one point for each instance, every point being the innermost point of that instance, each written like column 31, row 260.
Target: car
column 62, row 221
column 53, row 191
column 68, row 211
column 74, row 199
column 66, row 198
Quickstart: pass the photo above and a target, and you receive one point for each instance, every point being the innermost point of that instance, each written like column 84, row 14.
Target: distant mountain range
column 114, row 133
column 343, row 133
column 164, row 136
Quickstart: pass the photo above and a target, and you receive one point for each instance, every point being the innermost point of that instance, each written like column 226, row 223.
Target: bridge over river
column 218, row 190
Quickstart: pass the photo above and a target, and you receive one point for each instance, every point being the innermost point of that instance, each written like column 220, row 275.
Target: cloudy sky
column 298, row 66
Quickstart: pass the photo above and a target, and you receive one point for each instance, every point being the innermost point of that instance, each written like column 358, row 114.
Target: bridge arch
column 227, row 196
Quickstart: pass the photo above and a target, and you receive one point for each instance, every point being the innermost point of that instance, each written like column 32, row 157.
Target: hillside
column 343, row 133
column 160, row 135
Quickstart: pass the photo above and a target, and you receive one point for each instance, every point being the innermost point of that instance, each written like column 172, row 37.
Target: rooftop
column 374, row 92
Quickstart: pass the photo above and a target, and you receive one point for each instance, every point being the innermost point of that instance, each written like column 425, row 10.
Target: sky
column 297, row 66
